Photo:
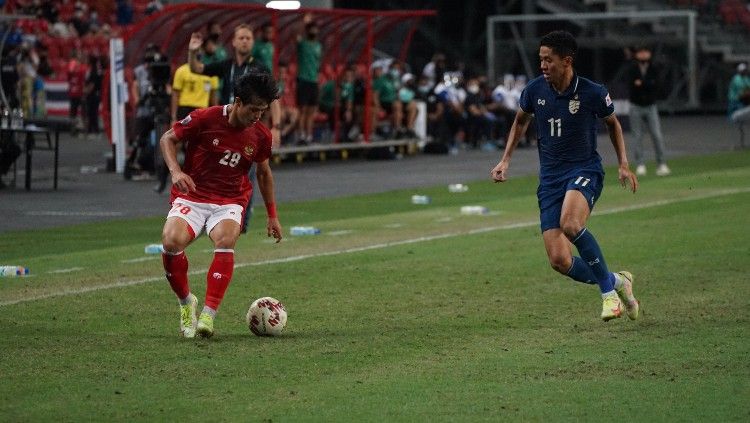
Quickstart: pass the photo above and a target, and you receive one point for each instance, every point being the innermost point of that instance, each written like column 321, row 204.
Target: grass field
column 398, row 312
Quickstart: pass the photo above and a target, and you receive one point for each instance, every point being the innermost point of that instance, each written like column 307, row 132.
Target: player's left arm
column 265, row 183
column 275, row 123
column 618, row 141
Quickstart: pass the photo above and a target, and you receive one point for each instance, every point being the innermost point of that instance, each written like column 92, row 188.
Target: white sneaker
column 663, row 170
column 640, row 170
column 188, row 321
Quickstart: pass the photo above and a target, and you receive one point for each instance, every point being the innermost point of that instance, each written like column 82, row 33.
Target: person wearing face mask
column 644, row 83
column 434, row 106
column 309, row 54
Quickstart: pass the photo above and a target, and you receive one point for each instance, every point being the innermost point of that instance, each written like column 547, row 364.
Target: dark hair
column 257, row 84
column 213, row 38
column 266, row 25
column 562, row 43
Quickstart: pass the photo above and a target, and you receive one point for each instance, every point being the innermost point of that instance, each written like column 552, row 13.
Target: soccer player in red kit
column 212, row 188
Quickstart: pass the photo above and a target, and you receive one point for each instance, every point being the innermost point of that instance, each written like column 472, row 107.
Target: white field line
column 68, row 270
column 658, row 203
column 140, row 259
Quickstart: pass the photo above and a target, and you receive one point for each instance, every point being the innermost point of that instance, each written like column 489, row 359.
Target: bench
column 321, row 151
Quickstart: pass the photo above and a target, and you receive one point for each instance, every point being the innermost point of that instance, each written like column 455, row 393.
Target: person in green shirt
column 346, row 103
column 263, row 47
column 309, row 54
column 384, row 98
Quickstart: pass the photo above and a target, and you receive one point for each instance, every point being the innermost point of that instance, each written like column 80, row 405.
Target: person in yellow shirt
column 190, row 91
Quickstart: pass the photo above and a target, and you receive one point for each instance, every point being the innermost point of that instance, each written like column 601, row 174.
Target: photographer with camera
column 190, row 91
column 151, row 93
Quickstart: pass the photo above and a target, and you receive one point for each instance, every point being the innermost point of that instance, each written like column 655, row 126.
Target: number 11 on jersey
column 554, row 124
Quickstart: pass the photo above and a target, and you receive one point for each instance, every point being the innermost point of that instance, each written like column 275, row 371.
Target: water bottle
column 474, row 210
column 154, row 249
column 420, row 199
column 13, row 271
column 458, row 188
column 5, row 118
column 304, row 230
column 14, row 123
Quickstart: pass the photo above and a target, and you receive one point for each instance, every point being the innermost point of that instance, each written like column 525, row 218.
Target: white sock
column 185, row 301
column 618, row 281
column 208, row 310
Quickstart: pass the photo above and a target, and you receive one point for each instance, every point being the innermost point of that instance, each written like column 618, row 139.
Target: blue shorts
column 551, row 193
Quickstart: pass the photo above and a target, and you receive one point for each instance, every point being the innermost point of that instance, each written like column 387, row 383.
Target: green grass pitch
column 398, row 312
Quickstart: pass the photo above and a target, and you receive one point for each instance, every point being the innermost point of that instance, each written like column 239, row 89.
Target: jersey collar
column 572, row 88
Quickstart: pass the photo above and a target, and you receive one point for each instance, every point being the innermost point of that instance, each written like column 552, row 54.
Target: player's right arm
column 196, row 41
column 168, row 144
column 520, row 124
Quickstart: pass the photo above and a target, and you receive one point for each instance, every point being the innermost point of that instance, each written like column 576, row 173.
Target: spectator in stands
column 27, row 64
column 124, row 12
column 451, row 93
column 43, row 70
column 480, row 122
column 407, row 97
column 289, row 111
column 435, row 109
column 739, row 95
column 309, row 54
column 345, row 105
column 644, row 83
column 93, row 92
column 263, row 47
column 76, row 79
column 435, row 69
column 80, row 22
column 9, row 74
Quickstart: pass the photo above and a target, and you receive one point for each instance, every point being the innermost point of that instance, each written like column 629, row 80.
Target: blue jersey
column 566, row 123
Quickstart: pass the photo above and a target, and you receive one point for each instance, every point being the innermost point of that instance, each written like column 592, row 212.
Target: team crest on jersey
column 574, row 105
column 249, row 150
column 185, row 121
column 215, row 142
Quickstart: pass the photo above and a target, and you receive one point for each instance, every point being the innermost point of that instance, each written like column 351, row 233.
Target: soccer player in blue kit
column 566, row 107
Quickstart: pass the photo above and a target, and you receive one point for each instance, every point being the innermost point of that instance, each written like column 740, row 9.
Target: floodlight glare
column 283, row 5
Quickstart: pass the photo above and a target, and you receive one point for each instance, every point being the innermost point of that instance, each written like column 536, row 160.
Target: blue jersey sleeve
column 605, row 106
column 525, row 102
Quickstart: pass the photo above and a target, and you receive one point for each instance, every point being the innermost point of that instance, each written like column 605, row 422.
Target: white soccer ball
column 266, row 317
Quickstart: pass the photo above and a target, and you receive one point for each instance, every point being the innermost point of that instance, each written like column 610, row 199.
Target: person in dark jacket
column 643, row 80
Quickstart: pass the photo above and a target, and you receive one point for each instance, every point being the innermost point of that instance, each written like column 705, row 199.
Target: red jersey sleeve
column 189, row 127
column 264, row 144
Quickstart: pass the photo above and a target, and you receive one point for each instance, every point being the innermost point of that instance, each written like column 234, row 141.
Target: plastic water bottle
column 16, row 119
column 420, row 199
column 458, row 188
column 154, row 249
column 13, row 271
column 304, row 230
column 474, row 210
column 5, row 118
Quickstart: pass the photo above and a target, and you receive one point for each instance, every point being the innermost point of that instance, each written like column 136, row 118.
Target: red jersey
column 218, row 156
column 76, row 78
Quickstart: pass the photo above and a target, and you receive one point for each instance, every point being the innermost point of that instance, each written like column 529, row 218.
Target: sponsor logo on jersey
column 608, row 100
column 215, row 142
column 185, row 121
column 540, row 101
column 216, row 275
